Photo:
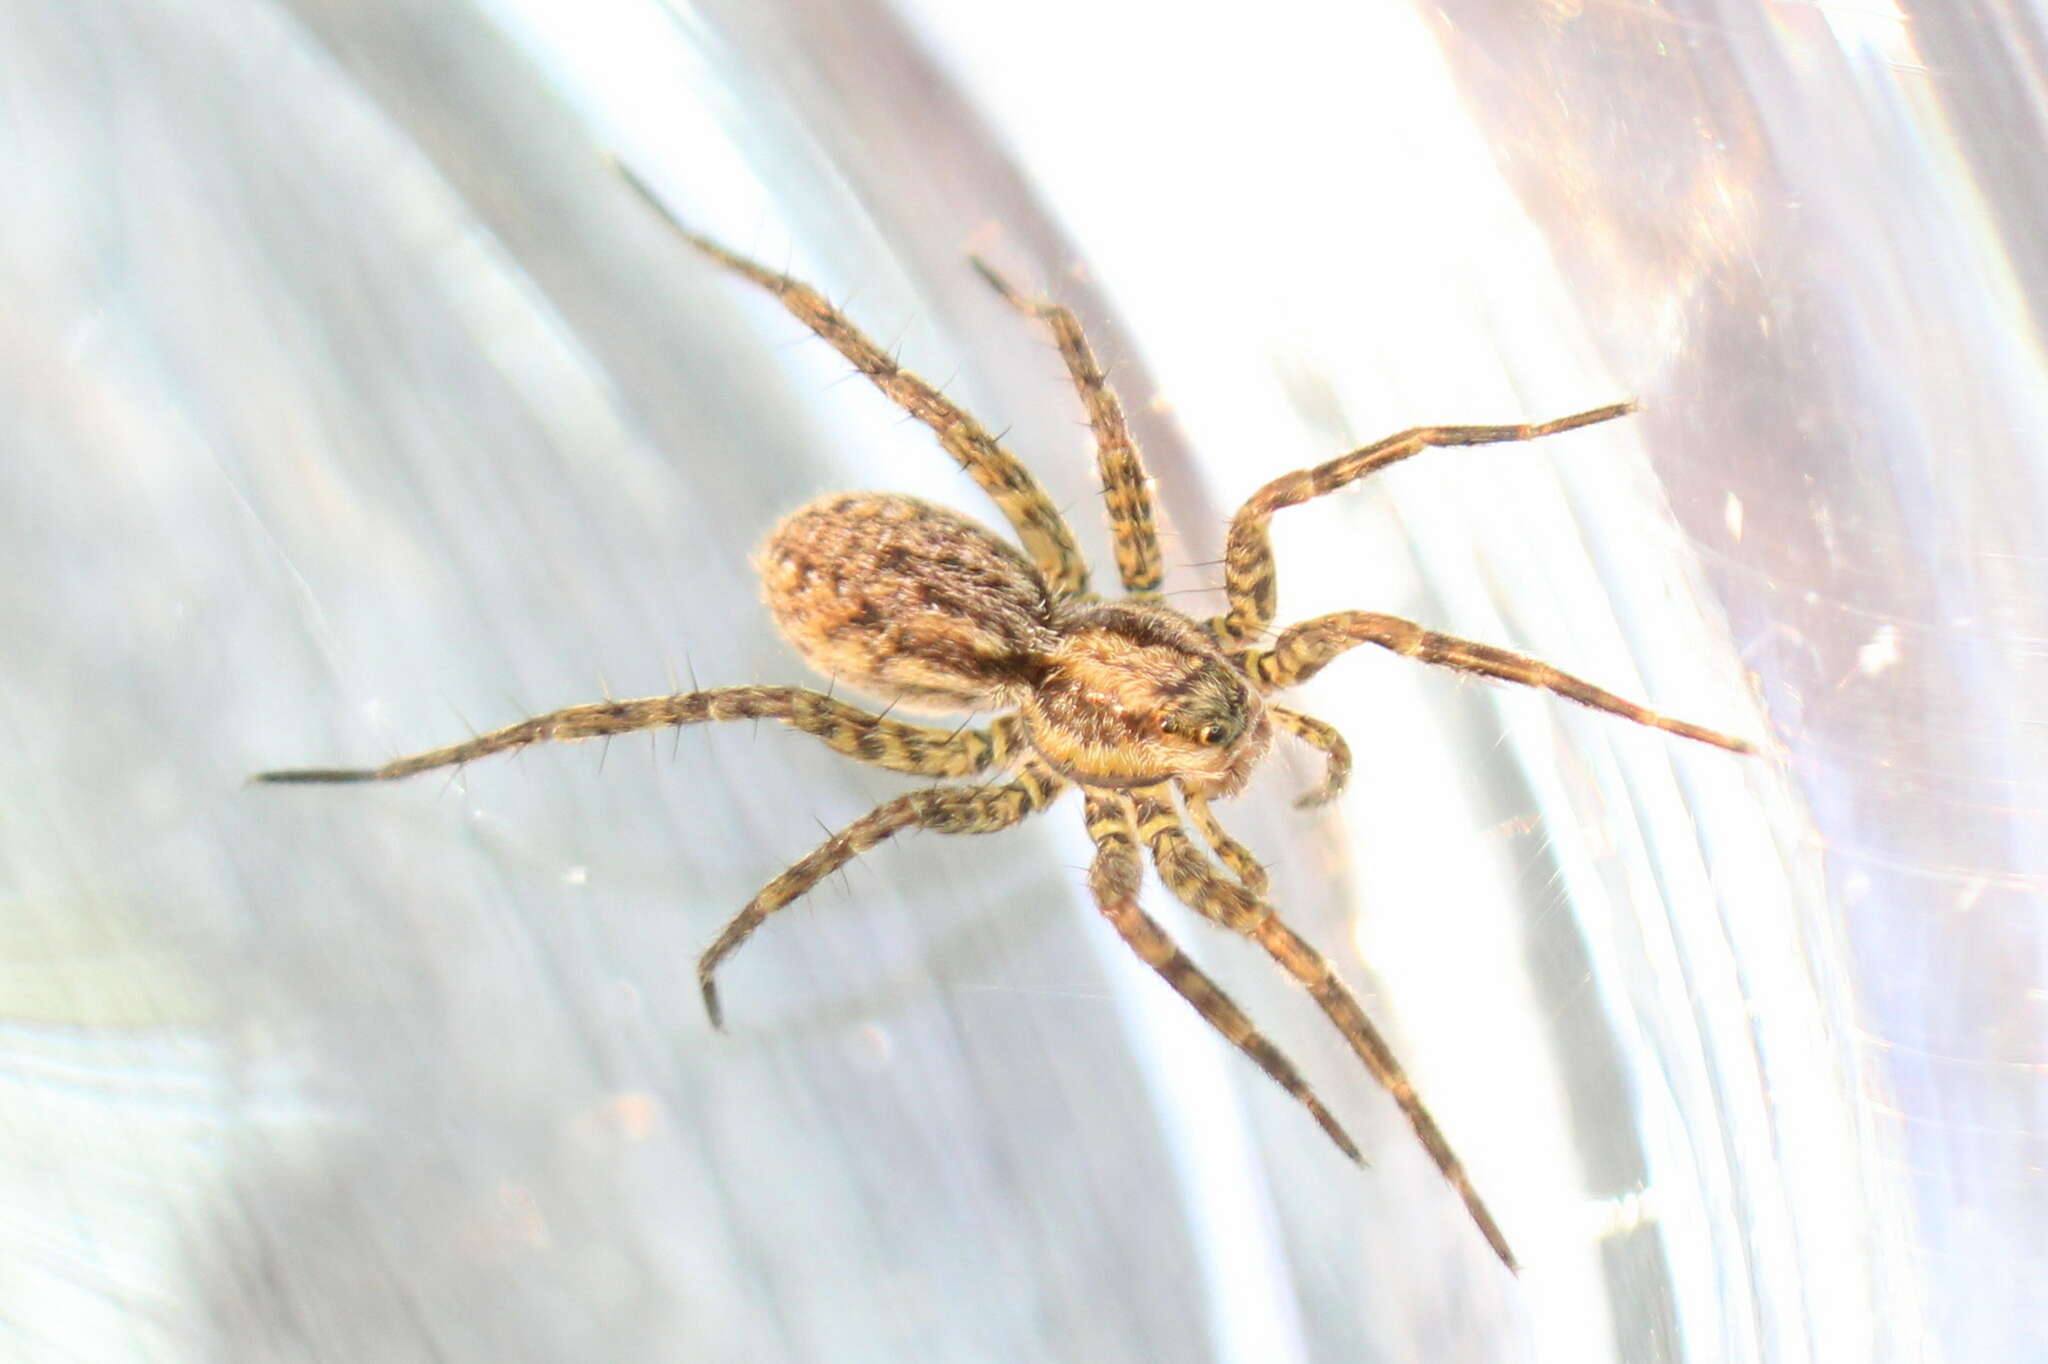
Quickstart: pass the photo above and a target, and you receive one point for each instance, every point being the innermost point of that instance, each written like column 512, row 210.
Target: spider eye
column 1214, row 734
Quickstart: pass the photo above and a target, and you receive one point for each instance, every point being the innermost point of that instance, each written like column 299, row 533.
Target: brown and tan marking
column 1152, row 713
column 1125, row 490
column 901, row 598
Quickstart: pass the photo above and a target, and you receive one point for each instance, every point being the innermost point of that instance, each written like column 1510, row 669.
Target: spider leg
column 1114, row 879
column 1036, row 520
column 1248, row 574
column 1324, row 737
column 944, row 809
column 1125, row 488
column 920, row 750
column 1192, row 877
column 1302, row 651
column 1233, row 854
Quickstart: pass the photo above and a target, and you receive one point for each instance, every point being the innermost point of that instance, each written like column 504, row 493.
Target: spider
column 1151, row 713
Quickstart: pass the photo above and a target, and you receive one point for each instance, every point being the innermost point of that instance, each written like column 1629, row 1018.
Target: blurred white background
column 352, row 400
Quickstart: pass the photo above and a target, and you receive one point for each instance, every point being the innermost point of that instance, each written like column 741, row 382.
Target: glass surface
column 354, row 400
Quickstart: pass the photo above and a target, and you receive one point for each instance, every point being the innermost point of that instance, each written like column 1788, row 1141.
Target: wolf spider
column 1151, row 713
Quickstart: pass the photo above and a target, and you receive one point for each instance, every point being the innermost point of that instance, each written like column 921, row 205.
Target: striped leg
column 1325, row 738
column 1196, row 881
column 944, row 809
column 1037, row 521
column 1248, row 575
column 920, row 750
column 1125, row 489
column 1302, row 651
column 1114, row 879
column 1228, row 850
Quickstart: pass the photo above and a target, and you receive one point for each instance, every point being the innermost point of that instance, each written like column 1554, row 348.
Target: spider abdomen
column 907, row 600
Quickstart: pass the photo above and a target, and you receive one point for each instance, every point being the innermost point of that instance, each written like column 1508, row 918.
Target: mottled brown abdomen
column 908, row 600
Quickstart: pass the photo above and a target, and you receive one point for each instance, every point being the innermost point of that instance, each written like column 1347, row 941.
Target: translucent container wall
column 353, row 399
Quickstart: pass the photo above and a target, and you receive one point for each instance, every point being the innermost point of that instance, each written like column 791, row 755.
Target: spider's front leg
column 945, row 809
column 1125, row 490
column 1114, row 879
column 1197, row 882
column 1250, row 872
column 1303, row 650
column 1248, row 573
column 920, row 750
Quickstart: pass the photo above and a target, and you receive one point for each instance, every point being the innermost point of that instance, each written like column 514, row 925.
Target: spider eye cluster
column 1214, row 713
column 1208, row 733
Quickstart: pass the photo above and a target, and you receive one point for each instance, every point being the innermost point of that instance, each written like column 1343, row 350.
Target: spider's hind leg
column 1037, row 521
column 1125, row 489
column 944, row 809
column 920, row 750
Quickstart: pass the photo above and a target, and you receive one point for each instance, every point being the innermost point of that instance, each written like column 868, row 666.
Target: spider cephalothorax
column 1134, row 694
column 1150, row 712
